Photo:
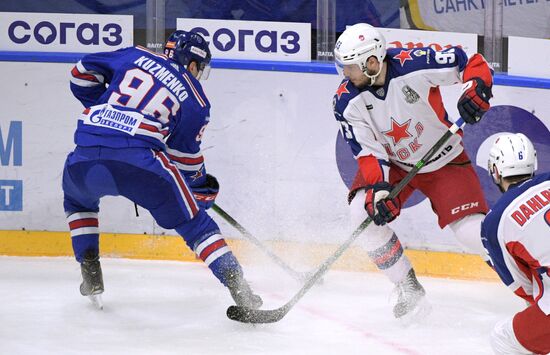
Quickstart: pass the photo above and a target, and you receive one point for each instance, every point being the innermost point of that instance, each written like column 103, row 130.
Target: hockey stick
column 248, row 315
column 295, row 274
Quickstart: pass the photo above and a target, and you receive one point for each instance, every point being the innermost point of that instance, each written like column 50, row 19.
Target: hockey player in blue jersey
column 516, row 235
column 390, row 111
column 139, row 137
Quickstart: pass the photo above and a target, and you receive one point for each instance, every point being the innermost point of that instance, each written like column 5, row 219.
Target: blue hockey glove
column 380, row 209
column 205, row 194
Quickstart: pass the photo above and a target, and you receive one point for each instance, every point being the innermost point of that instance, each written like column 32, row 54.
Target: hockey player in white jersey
column 516, row 234
column 391, row 113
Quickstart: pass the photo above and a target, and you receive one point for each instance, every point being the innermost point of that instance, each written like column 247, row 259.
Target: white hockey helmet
column 356, row 45
column 512, row 155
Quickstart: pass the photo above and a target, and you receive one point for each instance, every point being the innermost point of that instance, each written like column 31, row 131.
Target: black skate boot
column 92, row 278
column 410, row 293
column 242, row 293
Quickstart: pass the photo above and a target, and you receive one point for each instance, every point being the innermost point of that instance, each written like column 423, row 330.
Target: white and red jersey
column 401, row 120
column 516, row 235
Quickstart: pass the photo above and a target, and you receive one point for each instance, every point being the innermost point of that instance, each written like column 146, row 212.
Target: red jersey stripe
column 195, row 92
column 175, row 172
column 370, row 169
column 218, row 244
column 85, row 222
column 153, row 129
column 188, row 161
column 79, row 75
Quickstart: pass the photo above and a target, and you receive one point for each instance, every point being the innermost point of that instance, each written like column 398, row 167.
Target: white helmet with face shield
column 356, row 45
column 512, row 155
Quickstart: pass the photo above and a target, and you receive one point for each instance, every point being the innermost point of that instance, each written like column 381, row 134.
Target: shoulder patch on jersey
column 411, row 96
column 342, row 89
column 420, row 52
column 403, row 56
column 345, row 92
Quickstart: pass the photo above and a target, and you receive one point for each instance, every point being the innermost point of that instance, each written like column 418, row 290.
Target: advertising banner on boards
column 77, row 33
column 526, row 18
column 257, row 40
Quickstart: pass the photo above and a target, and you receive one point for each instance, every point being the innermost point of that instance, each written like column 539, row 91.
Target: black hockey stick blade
column 248, row 315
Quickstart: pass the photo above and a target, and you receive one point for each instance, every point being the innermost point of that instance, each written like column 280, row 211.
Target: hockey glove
column 380, row 209
column 205, row 194
column 474, row 101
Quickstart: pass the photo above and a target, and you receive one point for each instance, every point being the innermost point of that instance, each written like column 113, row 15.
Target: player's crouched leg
column 203, row 236
column 532, row 329
column 504, row 341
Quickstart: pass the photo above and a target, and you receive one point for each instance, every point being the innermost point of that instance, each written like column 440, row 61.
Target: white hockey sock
column 467, row 231
column 381, row 243
column 504, row 341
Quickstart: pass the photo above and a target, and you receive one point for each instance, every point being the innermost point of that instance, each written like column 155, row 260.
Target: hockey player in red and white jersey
column 391, row 113
column 516, row 235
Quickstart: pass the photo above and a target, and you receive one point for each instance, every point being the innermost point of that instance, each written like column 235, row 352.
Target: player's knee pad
column 504, row 341
column 467, row 231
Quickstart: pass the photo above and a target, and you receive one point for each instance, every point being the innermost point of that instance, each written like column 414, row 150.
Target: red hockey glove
column 474, row 101
column 380, row 209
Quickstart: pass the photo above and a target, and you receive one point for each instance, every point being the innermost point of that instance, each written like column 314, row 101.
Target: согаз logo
column 46, row 32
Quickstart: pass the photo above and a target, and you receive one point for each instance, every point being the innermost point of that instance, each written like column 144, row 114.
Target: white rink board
column 271, row 143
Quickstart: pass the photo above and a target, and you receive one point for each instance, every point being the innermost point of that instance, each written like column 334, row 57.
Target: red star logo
column 197, row 175
column 403, row 56
column 342, row 89
column 398, row 132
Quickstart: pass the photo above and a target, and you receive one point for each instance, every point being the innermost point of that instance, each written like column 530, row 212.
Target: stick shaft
column 279, row 313
column 396, row 190
column 276, row 259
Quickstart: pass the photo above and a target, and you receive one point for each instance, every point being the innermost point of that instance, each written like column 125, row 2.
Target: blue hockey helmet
column 185, row 47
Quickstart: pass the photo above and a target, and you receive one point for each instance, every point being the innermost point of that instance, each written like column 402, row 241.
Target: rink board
column 427, row 263
column 272, row 143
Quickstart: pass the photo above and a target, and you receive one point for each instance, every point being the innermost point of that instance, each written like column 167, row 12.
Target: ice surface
column 161, row 307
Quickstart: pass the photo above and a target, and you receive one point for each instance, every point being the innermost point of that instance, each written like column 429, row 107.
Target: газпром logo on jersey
column 107, row 116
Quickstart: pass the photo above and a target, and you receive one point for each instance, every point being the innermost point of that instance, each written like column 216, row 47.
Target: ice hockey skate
column 242, row 293
column 92, row 279
column 411, row 301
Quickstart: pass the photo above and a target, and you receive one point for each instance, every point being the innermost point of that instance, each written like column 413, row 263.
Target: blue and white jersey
column 401, row 120
column 516, row 235
column 136, row 98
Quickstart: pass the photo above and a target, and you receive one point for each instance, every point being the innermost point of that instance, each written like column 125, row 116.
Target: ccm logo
column 45, row 32
column 464, row 207
column 265, row 41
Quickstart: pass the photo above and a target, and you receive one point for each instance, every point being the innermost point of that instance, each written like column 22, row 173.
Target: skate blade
column 97, row 301
column 418, row 314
